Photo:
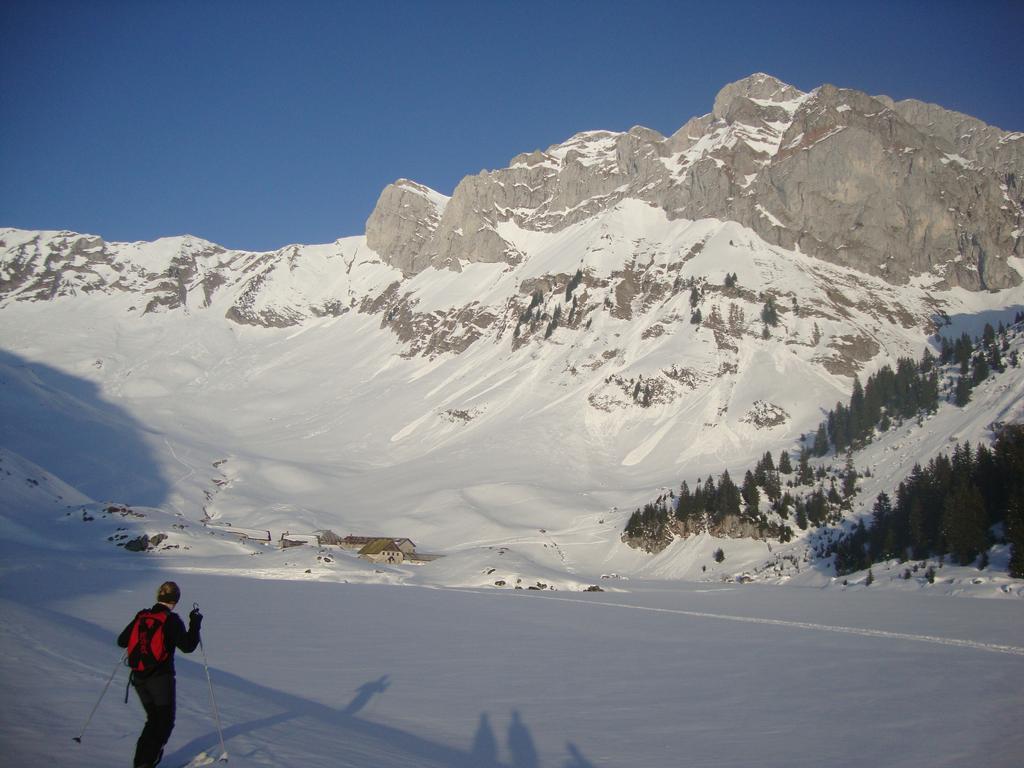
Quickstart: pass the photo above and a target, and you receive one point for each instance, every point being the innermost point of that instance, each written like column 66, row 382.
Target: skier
column 151, row 638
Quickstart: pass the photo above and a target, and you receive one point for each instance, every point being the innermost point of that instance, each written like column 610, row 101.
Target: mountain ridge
column 804, row 170
column 570, row 339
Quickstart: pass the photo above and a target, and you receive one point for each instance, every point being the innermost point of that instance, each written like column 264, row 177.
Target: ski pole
column 96, row 706
column 213, row 701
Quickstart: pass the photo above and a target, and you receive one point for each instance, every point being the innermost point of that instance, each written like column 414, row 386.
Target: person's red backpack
column 147, row 645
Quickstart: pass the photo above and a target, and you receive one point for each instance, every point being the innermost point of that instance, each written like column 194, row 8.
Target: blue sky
column 256, row 124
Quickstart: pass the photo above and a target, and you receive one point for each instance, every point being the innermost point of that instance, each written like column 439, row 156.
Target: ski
column 204, row 759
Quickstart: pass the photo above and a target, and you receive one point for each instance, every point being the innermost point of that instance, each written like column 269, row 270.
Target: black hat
column 168, row 593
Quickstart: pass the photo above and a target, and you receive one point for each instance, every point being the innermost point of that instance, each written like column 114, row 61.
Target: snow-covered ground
column 332, row 674
column 319, row 658
column 184, row 426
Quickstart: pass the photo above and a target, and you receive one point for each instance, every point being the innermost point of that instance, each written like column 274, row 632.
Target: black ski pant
column 157, row 696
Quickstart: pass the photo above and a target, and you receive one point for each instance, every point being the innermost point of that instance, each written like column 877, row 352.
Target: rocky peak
column 406, row 216
column 968, row 138
column 758, row 89
column 896, row 190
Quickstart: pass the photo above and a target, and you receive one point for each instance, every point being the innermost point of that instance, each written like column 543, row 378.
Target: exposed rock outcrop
column 894, row 189
column 402, row 224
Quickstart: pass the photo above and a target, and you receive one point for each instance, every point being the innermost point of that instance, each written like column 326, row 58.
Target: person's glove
column 195, row 617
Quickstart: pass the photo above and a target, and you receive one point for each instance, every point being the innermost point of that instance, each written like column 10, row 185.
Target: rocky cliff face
column 620, row 246
column 187, row 274
column 414, row 212
column 898, row 190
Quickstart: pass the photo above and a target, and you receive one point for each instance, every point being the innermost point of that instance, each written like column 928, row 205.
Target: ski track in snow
column 1013, row 650
column 191, row 470
column 640, row 453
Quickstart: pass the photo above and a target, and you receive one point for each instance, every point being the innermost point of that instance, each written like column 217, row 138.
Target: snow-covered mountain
column 513, row 369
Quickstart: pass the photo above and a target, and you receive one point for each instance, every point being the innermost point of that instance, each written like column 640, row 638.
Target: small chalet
column 383, row 551
column 357, row 542
column 407, row 546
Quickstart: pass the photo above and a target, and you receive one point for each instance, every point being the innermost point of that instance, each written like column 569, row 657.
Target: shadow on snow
column 63, row 424
column 352, row 741
column 368, row 744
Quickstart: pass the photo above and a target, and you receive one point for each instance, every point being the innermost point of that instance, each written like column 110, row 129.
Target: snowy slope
column 357, row 419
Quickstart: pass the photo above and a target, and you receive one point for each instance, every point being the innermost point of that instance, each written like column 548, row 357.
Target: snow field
column 359, row 675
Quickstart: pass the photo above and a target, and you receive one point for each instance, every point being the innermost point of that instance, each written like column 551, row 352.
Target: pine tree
column 710, row 495
column 849, row 477
column 988, row 336
column 685, row 505
column 769, row 313
column 946, row 351
column 817, row 508
column 801, row 514
column 985, row 474
column 536, row 299
column 981, row 369
column 839, row 428
column 859, row 426
column 916, row 528
column 785, row 504
column 805, row 475
column 930, row 392
column 962, row 393
column 963, row 350
column 728, row 502
column 821, row 441
column 751, row 495
column 785, row 467
column 881, row 522
column 1015, row 535
column 773, row 487
column 962, row 463
column 833, row 495
column 965, row 523
column 573, row 283
column 633, row 526
column 645, row 401
column 927, row 361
